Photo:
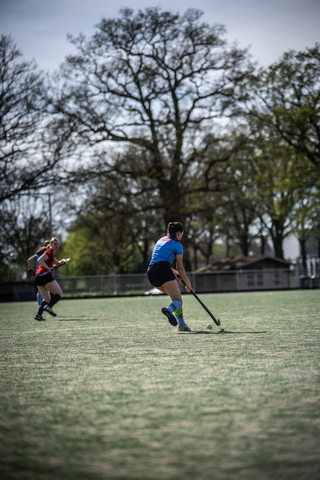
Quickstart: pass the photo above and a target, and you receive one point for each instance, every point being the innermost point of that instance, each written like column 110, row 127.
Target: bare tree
column 30, row 151
column 156, row 80
column 24, row 225
column 287, row 100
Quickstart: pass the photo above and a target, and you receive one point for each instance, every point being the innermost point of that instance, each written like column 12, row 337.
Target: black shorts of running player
column 160, row 273
column 42, row 280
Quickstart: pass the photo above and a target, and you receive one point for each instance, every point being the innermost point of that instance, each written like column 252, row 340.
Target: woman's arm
column 30, row 260
column 182, row 272
column 41, row 261
column 59, row 262
column 176, row 273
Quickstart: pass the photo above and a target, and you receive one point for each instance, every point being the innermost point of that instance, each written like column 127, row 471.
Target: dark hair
column 41, row 250
column 45, row 247
column 173, row 228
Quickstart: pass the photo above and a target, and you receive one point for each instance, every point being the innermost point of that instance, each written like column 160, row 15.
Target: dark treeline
column 157, row 118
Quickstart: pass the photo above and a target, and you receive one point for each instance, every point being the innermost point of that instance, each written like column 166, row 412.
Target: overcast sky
column 271, row 27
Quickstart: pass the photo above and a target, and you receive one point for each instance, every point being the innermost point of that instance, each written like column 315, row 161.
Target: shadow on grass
column 204, row 332
column 77, row 319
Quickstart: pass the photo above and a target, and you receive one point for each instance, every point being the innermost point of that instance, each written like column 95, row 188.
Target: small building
column 247, row 263
column 243, row 273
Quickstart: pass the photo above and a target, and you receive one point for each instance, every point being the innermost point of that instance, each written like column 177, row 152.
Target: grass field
column 109, row 390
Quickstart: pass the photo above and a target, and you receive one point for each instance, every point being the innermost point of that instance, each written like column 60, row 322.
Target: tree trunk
column 277, row 238
column 303, row 253
column 263, row 244
column 245, row 245
column 277, row 245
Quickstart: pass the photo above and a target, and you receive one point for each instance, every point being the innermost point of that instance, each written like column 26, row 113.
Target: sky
column 39, row 28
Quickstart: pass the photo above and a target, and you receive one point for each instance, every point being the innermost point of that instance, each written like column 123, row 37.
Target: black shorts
column 160, row 273
column 42, row 280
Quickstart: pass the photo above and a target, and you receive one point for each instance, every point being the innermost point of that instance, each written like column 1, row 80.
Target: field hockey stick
column 58, row 266
column 216, row 321
column 31, row 273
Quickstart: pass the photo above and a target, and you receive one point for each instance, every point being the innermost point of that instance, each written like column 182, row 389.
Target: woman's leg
column 56, row 295
column 39, row 297
column 51, row 294
column 44, row 293
column 46, row 299
column 54, row 288
column 172, row 289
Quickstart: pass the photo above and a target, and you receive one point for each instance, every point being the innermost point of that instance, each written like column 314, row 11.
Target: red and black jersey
column 48, row 262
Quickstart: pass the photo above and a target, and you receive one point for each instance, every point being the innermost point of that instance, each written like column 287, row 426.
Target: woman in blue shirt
column 162, row 276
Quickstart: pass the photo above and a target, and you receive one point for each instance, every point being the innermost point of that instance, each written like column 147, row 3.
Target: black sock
column 43, row 304
column 55, row 299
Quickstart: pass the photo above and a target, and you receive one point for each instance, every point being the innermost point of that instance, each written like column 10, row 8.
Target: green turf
column 109, row 390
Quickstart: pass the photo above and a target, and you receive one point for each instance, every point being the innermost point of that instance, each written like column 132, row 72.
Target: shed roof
column 235, row 263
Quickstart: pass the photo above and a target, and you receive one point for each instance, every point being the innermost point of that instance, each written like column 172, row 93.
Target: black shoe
column 39, row 318
column 172, row 319
column 49, row 310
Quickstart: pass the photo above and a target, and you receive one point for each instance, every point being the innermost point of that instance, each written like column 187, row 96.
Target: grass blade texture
column 109, row 390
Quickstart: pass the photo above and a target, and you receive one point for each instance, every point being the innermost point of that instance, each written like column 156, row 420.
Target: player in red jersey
column 37, row 255
column 48, row 287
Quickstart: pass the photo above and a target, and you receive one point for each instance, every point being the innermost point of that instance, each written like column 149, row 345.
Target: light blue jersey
column 166, row 250
column 37, row 258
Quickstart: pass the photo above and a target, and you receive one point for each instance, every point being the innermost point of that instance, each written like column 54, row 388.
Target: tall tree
column 287, row 99
column 24, row 225
column 305, row 216
column 115, row 221
column 20, row 114
column 239, row 203
column 284, row 120
column 31, row 145
column 156, row 80
column 279, row 173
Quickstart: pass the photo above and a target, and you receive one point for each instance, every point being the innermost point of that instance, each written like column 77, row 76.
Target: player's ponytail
column 45, row 246
column 173, row 228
